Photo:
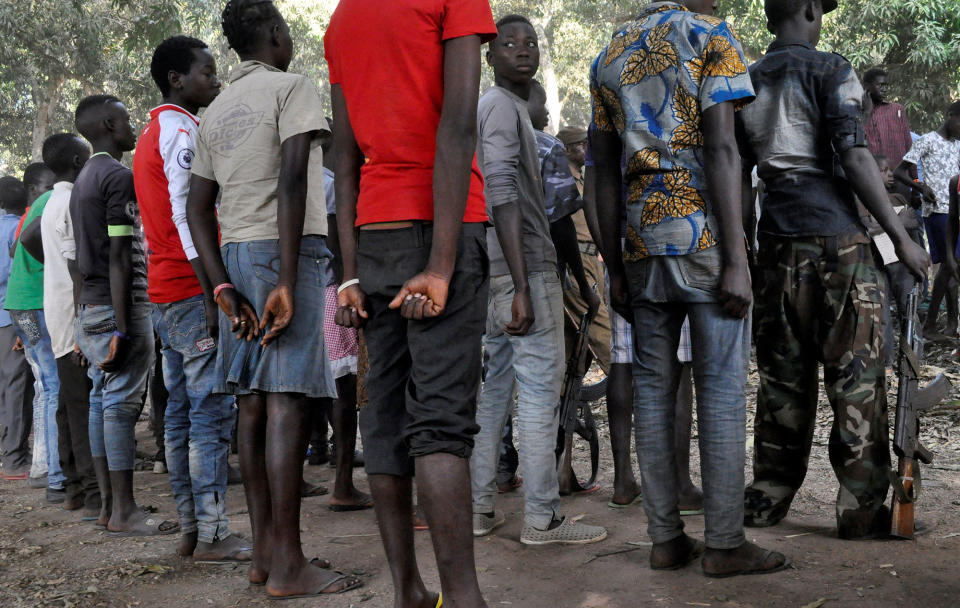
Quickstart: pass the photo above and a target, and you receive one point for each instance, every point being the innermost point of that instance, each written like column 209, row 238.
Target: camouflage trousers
column 818, row 301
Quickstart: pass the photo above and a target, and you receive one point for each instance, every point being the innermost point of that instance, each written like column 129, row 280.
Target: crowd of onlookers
column 430, row 252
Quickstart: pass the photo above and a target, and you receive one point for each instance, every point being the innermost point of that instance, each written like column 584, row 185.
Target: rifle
column 910, row 401
column 575, row 414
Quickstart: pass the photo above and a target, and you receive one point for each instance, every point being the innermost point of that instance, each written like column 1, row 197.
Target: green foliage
column 917, row 41
column 52, row 52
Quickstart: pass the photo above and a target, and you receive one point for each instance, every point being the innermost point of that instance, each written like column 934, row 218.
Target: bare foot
column 352, row 500
column 748, row 558
column 626, row 494
column 106, row 508
column 258, row 575
column 229, row 550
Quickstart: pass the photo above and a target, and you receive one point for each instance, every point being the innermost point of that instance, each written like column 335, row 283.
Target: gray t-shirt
column 507, row 156
column 239, row 147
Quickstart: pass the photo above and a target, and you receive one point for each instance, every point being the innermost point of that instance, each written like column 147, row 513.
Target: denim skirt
column 296, row 362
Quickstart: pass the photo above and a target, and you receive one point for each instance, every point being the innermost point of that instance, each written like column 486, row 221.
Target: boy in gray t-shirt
column 524, row 337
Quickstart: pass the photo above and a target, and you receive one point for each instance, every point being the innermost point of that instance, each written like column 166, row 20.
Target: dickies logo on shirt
column 206, row 344
column 233, row 129
column 185, row 158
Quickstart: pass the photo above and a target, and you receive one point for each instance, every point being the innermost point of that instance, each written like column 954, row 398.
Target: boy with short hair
column 198, row 422
column 115, row 331
column 524, row 337
column 16, row 382
column 819, row 292
column 410, row 212
column 51, row 241
column 665, row 92
column 25, row 304
column 259, row 144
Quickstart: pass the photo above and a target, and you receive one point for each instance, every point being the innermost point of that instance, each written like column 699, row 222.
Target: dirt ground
column 49, row 558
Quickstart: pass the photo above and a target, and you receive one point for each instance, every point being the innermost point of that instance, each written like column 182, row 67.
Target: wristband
column 221, row 287
column 121, row 335
column 347, row 284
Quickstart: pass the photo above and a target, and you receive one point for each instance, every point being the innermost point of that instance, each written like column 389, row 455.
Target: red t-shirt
column 387, row 58
column 161, row 176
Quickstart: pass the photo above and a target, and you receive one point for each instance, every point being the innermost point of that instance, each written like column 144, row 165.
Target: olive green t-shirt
column 25, row 287
column 238, row 146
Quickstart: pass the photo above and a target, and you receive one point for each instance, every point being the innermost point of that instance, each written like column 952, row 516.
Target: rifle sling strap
column 897, row 484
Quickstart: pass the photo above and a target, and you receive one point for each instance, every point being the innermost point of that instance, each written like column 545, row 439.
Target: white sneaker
column 568, row 532
column 159, row 467
column 485, row 524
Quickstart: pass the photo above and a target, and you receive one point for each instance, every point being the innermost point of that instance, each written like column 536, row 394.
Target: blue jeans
column 198, row 421
column 32, row 330
column 721, row 346
column 115, row 397
column 534, row 365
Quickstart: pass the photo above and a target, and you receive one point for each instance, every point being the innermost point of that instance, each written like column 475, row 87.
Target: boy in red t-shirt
column 411, row 214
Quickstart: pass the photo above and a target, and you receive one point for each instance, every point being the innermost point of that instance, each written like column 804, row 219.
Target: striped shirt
column 888, row 132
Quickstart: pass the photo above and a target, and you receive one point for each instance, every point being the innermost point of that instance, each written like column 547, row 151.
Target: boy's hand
column 351, row 307
column 422, row 297
column 929, row 195
column 78, row 357
column 243, row 318
column 117, row 358
column 620, row 296
column 212, row 314
column 277, row 312
column 914, row 257
column 735, row 291
column 522, row 312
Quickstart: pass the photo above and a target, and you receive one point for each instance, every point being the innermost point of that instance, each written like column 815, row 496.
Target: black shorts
column 424, row 375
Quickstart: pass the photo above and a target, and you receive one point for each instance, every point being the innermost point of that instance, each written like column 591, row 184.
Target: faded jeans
column 534, row 365
column 720, row 349
column 116, row 396
column 32, row 329
column 198, row 421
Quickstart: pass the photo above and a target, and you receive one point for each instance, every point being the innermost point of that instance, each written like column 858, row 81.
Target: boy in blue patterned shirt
column 664, row 93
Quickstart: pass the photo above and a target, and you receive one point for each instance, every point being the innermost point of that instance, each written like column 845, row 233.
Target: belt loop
column 831, row 253
column 417, row 233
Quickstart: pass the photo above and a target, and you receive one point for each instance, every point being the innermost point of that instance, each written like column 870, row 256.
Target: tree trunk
column 45, row 100
column 548, row 74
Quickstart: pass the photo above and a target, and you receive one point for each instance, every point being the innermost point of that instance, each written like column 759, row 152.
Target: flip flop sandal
column 754, row 570
column 636, row 500
column 594, row 488
column 365, row 502
column 310, row 491
column 148, row 527
column 319, row 562
column 691, row 512
column 352, row 583
column 439, row 600
column 20, row 477
column 696, row 550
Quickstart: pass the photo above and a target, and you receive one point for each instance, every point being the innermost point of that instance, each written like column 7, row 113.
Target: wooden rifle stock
column 902, row 524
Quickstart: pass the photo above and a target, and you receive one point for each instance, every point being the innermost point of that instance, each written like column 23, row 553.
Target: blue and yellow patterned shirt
column 650, row 85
